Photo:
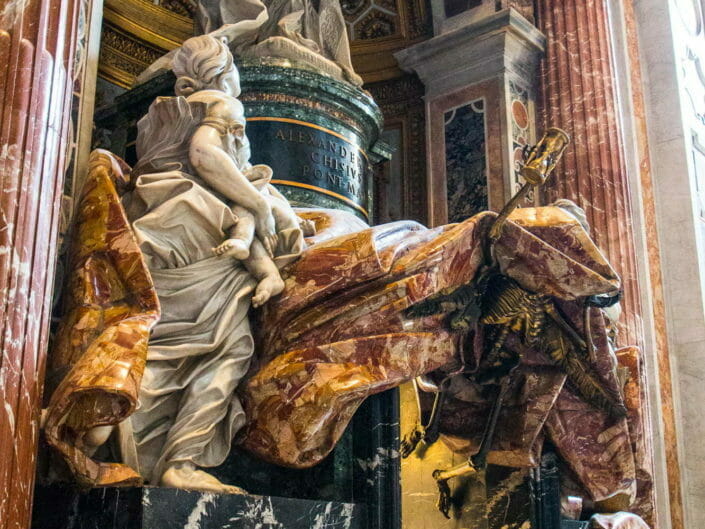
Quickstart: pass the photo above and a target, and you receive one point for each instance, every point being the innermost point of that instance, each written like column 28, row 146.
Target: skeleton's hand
column 411, row 441
column 443, row 497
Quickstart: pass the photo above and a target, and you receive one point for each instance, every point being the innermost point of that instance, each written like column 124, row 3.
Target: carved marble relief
column 137, row 33
column 493, row 309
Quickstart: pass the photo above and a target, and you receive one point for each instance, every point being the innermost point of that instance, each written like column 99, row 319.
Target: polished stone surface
column 108, row 297
column 64, row 507
column 38, row 42
column 466, row 161
column 319, row 135
column 593, row 172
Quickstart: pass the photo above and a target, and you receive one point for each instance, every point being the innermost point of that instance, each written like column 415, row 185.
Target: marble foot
column 187, row 476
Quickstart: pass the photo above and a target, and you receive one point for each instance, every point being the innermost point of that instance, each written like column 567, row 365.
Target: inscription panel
column 309, row 156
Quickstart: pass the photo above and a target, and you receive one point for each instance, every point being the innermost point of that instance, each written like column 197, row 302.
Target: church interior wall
column 629, row 71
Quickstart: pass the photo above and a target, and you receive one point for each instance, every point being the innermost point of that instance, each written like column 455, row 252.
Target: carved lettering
column 325, row 160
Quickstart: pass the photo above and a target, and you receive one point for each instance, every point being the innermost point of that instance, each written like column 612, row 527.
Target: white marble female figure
column 191, row 180
column 312, row 32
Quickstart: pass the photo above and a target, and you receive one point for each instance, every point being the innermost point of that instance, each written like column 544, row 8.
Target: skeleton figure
column 492, row 308
column 500, row 306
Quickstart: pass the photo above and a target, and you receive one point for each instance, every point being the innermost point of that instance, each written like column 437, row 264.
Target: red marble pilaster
column 37, row 48
column 579, row 94
column 578, row 88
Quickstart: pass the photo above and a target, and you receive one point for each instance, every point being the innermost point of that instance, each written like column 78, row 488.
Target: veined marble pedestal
column 65, row 507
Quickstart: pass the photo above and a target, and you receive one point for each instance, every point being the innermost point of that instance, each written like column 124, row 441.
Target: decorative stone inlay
column 466, row 160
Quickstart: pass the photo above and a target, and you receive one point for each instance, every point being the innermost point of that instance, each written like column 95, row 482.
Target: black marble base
column 65, row 507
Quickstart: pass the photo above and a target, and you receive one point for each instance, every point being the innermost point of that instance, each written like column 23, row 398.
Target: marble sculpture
column 187, row 242
column 309, row 32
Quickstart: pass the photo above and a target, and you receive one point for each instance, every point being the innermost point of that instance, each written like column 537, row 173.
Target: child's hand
column 266, row 231
column 308, row 227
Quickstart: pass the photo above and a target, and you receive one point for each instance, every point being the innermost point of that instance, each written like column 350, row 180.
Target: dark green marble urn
column 319, row 135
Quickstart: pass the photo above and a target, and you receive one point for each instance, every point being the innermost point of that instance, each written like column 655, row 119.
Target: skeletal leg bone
column 476, row 463
column 442, row 477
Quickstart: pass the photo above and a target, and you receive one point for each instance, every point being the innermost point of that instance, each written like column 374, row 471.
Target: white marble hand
column 266, row 229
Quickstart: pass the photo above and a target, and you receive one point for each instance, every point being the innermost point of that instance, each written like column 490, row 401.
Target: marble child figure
column 197, row 202
column 242, row 243
column 255, row 254
column 225, row 125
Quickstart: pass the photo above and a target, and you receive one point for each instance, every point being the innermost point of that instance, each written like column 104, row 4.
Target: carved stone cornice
column 504, row 41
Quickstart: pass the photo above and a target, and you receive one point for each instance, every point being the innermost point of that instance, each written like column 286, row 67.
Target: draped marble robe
column 305, row 31
column 201, row 347
column 338, row 334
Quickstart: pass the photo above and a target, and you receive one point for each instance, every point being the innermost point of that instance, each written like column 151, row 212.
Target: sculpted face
column 230, row 81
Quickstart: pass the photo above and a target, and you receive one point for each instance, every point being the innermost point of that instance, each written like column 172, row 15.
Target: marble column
column 579, row 95
column 37, row 55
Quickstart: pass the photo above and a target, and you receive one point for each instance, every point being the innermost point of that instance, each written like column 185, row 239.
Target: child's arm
column 220, row 172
